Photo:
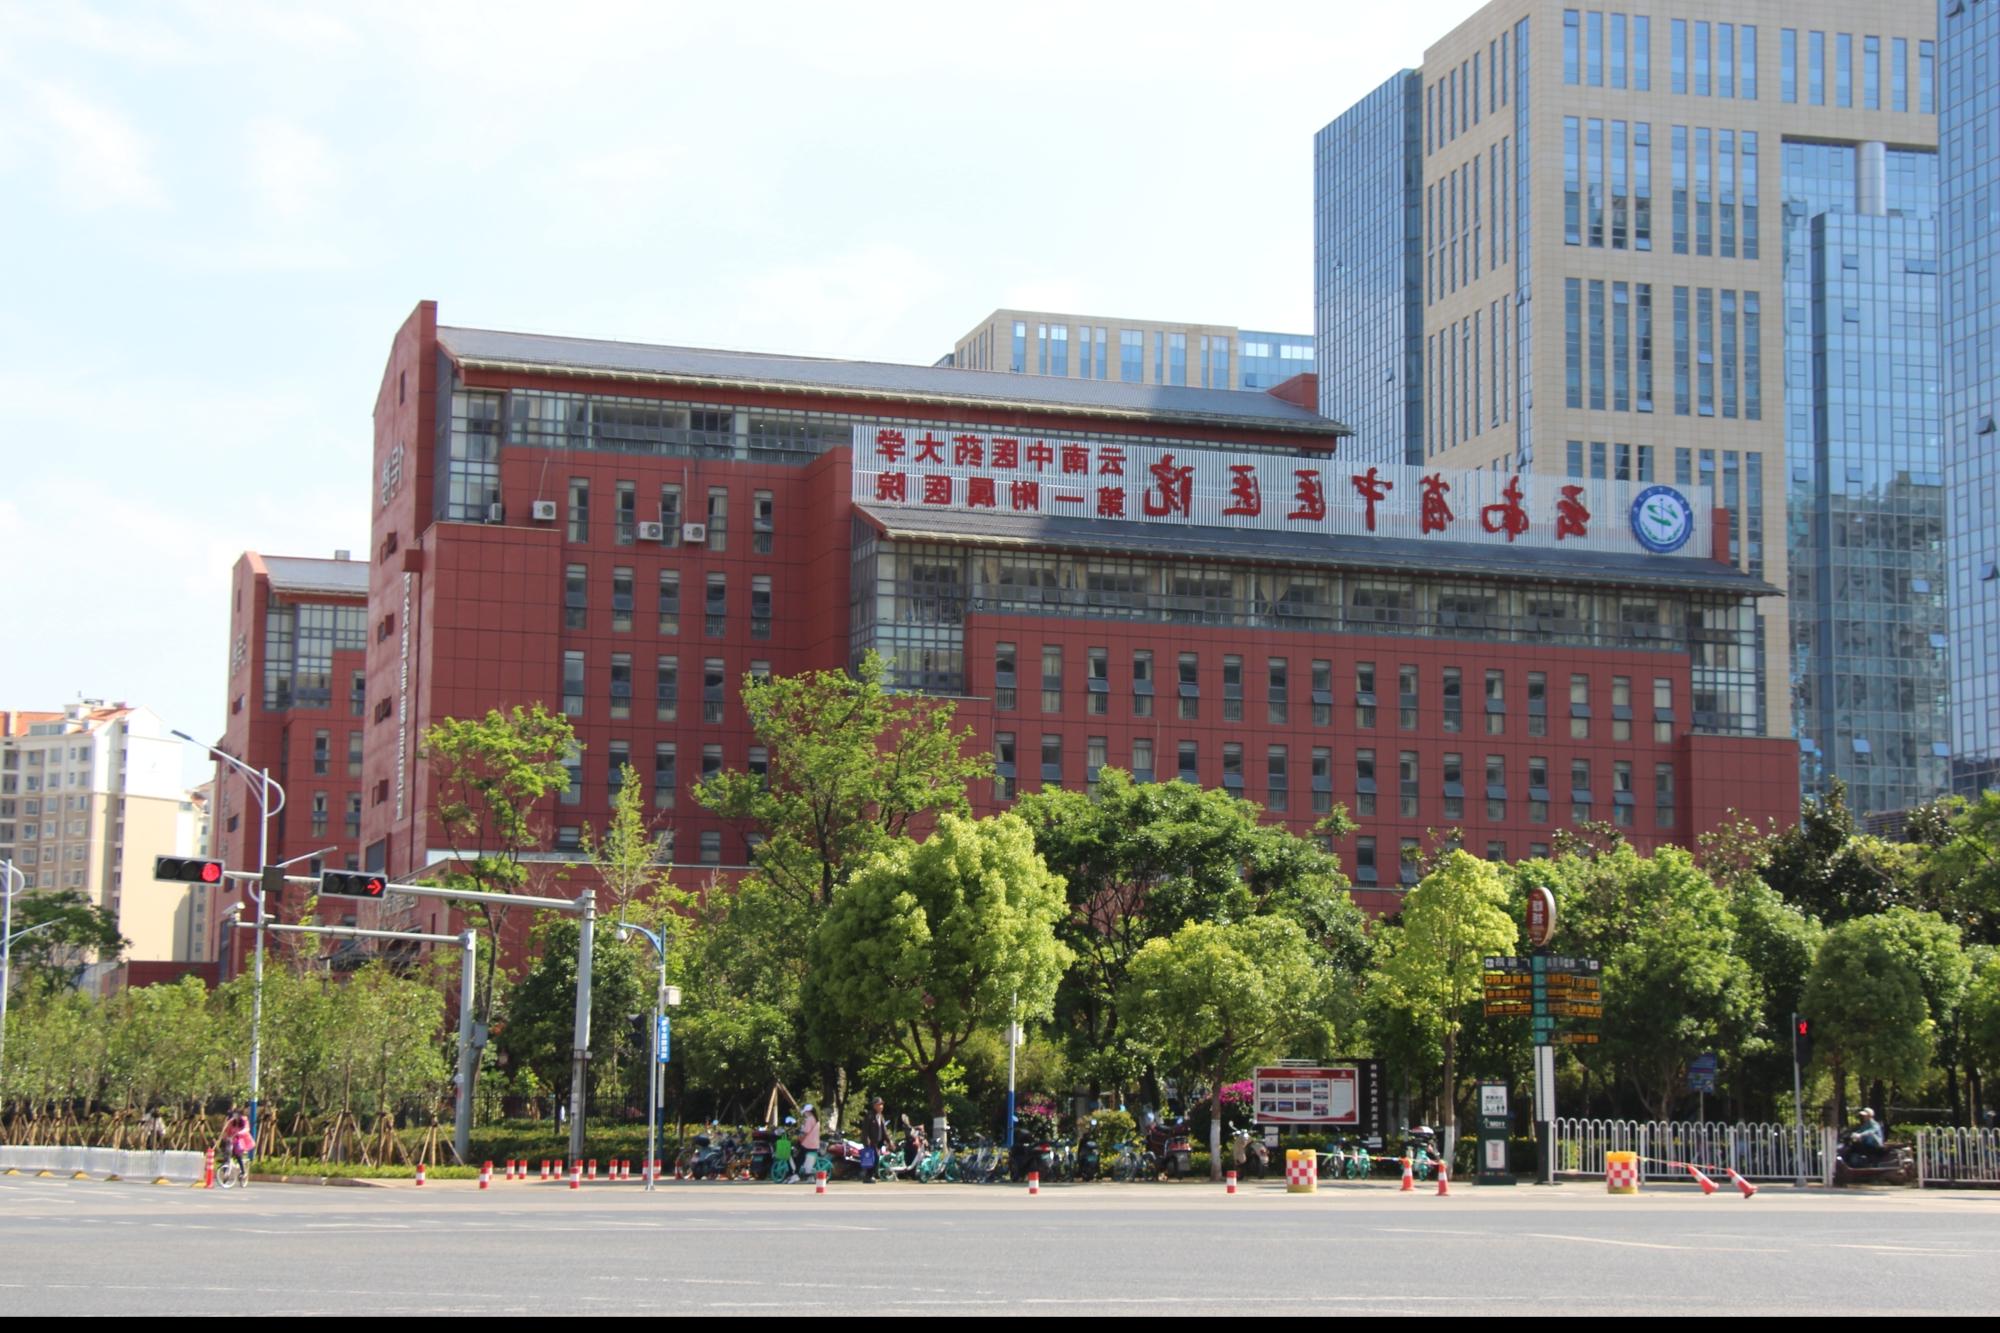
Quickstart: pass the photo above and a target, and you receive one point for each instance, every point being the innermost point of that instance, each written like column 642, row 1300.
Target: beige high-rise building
column 1693, row 245
column 89, row 795
column 1132, row 351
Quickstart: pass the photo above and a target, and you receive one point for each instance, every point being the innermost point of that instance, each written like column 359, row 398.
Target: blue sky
column 214, row 216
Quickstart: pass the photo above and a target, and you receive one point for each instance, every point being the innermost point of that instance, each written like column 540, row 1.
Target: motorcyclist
column 1867, row 1141
column 806, row 1147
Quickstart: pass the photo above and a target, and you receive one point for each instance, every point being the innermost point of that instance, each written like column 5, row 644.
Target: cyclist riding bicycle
column 236, row 1140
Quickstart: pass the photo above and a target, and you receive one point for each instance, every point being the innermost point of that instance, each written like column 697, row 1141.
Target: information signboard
column 1344, row 1095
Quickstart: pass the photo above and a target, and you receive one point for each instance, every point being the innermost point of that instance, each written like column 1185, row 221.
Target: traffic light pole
column 468, row 943
column 584, row 908
column 7, row 956
column 1798, row 1113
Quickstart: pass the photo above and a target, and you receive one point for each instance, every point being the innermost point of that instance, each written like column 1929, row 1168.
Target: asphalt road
column 98, row 1248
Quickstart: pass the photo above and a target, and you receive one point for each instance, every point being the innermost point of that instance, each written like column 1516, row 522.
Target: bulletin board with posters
column 1335, row 1094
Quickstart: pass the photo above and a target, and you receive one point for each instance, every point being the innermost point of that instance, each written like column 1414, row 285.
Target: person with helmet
column 805, row 1147
column 236, row 1140
column 1868, row 1140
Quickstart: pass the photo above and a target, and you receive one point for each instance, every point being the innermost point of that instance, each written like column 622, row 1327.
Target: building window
column 1189, row 767
column 712, row 688
column 353, row 820
column 1190, row 687
column 1052, row 774
column 1364, row 861
column 665, row 775
column 670, row 515
column 1496, row 703
column 1277, row 691
column 617, row 758
column 1004, row 774
column 1579, row 708
column 1406, row 698
column 1232, row 689
column 572, row 696
column 1621, row 708
column 1096, row 752
column 1496, row 789
column 1277, row 780
column 1097, row 699
column 1663, row 710
column 1322, row 693
column 1142, row 761
column 1052, row 678
column 1232, row 767
column 1003, row 678
column 1407, row 785
column 1407, row 869
column 715, row 607
column 1580, row 798
column 626, row 497
column 1621, row 793
column 1538, row 789
column 760, row 606
column 1663, row 795
column 572, row 792
column 711, row 761
column 1364, row 695
column 319, row 815
column 1364, row 782
column 1454, row 786
column 1454, row 700
column 670, row 601
column 576, row 597
column 579, row 509
column 622, row 600
column 1132, row 355
column 353, row 754
column 667, row 688
column 763, row 523
column 322, row 753
column 711, row 847
column 717, row 536
column 621, row 685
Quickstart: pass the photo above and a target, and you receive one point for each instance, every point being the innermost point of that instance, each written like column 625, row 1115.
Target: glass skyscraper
column 1368, row 271
column 1729, row 210
column 1969, row 148
column 1865, row 494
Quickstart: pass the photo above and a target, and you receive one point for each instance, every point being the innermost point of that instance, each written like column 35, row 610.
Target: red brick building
column 297, row 628
column 1180, row 582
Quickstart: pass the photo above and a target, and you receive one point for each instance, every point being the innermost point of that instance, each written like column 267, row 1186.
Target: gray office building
column 1969, row 146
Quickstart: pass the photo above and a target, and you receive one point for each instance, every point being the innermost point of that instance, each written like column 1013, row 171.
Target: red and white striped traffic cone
column 545, row 1168
column 1748, row 1189
column 420, row 1173
column 576, row 1175
column 1034, row 1182
column 1229, row 1182
column 208, row 1170
column 819, row 1182
column 485, row 1175
column 1409, row 1178
column 1444, row 1185
column 1707, row 1185
column 593, row 1169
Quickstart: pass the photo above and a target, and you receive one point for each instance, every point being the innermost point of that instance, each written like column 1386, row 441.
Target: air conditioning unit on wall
column 694, row 534
column 652, row 532
column 496, row 512
column 543, row 511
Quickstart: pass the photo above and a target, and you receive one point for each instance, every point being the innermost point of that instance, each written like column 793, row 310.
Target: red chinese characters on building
column 1508, row 516
column 937, row 490
column 1245, row 500
column 1111, row 502
column 1371, row 486
column 968, row 451
column 1041, row 453
column 1173, row 490
column 1025, row 495
column 1006, row 453
column 892, row 486
column 1436, row 515
column 1075, row 460
column 890, row 445
column 1110, row 460
column 930, row 449
column 1310, row 497
column 979, row 493
column 1572, row 519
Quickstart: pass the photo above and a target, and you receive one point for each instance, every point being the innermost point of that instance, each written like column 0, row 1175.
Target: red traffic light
column 187, row 869
column 353, row 883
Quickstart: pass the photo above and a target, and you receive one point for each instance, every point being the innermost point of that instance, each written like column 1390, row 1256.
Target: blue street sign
column 666, row 1037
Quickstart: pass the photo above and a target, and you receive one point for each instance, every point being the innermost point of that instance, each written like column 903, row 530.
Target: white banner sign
column 1131, row 483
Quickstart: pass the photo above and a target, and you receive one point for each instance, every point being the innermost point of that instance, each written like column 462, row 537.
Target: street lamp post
column 264, row 787
column 662, row 997
column 7, row 951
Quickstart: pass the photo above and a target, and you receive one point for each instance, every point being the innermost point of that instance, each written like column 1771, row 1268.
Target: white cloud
column 100, row 160
column 291, row 172
column 837, row 306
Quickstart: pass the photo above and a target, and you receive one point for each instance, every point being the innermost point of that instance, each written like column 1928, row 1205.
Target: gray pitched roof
column 487, row 349
column 294, row 573
column 1381, row 555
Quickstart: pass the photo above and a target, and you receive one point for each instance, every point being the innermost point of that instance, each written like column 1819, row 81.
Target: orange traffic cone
column 1742, row 1184
column 819, row 1182
column 1444, row 1185
column 1230, row 1182
column 1034, row 1182
column 485, row 1175
column 420, row 1173
column 1409, row 1179
column 1707, row 1185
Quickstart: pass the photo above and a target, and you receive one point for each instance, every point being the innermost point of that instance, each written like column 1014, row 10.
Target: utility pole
column 586, row 906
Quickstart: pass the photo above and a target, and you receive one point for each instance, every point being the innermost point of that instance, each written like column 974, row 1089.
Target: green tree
column 630, row 859
column 1213, row 999
column 541, row 1011
column 1944, row 972
column 76, row 933
column 1429, row 965
column 1778, row 942
column 490, row 779
column 1829, row 868
column 1982, row 1017
column 1866, row 994
column 1962, row 869
column 930, row 941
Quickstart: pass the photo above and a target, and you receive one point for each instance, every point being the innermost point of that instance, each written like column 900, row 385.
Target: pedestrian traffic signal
column 1802, row 1037
column 353, row 884
column 187, row 869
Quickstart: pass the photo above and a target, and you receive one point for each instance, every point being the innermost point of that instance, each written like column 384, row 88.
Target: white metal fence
column 1958, row 1156
column 1755, row 1152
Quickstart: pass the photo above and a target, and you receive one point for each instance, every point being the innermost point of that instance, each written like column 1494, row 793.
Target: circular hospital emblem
column 1662, row 519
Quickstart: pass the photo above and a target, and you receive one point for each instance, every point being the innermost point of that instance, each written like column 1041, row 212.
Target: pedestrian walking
column 874, row 1140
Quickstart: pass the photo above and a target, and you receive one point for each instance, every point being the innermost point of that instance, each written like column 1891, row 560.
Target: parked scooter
column 1252, row 1158
column 1171, row 1146
column 1421, row 1147
column 1088, row 1159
